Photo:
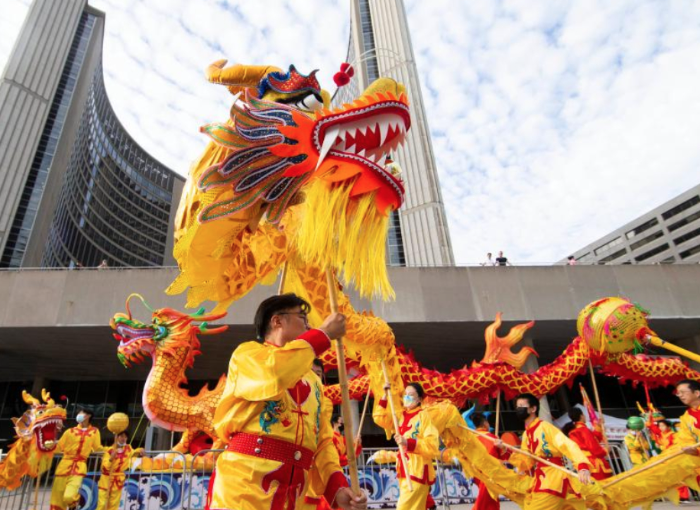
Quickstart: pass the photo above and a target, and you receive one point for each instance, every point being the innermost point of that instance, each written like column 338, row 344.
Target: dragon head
column 169, row 330
column 41, row 422
column 283, row 145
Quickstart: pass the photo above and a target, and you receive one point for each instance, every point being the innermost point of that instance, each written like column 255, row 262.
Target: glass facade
column 115, row 201
column 36, row 180
column 395, row 249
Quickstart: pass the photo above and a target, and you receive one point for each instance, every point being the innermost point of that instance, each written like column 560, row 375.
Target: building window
column 646, row 240
column 689, row 253
column 659, row 249
column 681, row 207
column 641, row 228
column 614, row 256
column 610, row 244
column 685, row 221
column 687, row 236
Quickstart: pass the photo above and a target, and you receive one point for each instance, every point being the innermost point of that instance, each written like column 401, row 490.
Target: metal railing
column 169, row 480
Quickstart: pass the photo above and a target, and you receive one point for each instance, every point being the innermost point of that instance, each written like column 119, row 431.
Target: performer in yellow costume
column 76, row 445
column 688, row 434
column 115, row 462
column 420, row 440
column 551, row 488
column 636, row 442
column 270, row 417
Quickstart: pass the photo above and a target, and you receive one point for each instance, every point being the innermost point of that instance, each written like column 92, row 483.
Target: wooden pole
column 283, row 278
column 344, row 392
column 402, row 450
column 658, row 342
column 362, row 417
column 498, row 412
column 36, row 488
column 523, row 452
column 647, row 466
column 601, row 418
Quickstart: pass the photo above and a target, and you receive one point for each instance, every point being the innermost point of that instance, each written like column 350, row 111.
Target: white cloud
column 553, row 122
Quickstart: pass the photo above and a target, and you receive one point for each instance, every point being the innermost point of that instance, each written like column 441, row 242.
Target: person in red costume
column 339, row 440
column 484, row 500
column 589, row 442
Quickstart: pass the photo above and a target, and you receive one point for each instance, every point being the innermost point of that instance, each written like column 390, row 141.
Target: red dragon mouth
column 45, row 432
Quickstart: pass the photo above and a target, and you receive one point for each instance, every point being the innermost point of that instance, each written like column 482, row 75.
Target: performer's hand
column 347, row 500
column 691, row 450
column 334, row 326
column 584, row 476
column 387, row 387
column 400, row 440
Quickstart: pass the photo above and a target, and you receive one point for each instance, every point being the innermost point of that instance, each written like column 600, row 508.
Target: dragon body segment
column 171, row 341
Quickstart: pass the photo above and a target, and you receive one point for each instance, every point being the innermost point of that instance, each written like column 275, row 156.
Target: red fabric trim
column 336, row 482
column 695, row 414
column 405, row 424
column 311, row 501
column 318, row 340
column 411, row 445
column 383, row 403
column 581, row 467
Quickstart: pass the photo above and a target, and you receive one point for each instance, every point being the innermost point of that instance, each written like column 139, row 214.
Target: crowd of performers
column 285, row 449
column 77, row 444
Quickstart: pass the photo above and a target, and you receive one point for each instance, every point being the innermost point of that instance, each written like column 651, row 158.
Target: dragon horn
column 46, row 397
column 142, row 300
column 237, row 77
column 27, row 397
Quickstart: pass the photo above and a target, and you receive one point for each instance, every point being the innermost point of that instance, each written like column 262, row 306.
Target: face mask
column 408, row 400
column 522, row 413
column 341, row 428
column 121, row 444
column 80, row 418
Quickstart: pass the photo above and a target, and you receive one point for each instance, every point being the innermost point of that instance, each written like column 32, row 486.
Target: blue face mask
column 408, row 400
column 80, row 418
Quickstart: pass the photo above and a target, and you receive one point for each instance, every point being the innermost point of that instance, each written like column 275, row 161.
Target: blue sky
column 553, row 122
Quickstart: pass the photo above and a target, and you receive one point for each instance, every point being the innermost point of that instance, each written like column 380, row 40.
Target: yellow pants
column 544, row 501
column 412, row 500
column 115, row 494
column 65, row 491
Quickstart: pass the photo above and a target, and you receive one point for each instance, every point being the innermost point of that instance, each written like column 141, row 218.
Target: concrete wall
column 35, row 298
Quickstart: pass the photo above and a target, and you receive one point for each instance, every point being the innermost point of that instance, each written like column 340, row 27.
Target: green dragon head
column 169, row 330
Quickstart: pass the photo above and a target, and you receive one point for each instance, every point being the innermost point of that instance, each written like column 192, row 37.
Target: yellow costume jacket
column 423, row 442
column 312, row 499
column 270, row 414
column 76, row 445
column 689, row 428
column 638, row 448
column 547, row 441
column 116, row 467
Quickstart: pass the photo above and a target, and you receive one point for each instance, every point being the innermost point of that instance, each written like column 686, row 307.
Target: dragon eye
column 309, row 103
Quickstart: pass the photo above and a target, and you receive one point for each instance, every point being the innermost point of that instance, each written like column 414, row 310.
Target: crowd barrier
column 171, row 481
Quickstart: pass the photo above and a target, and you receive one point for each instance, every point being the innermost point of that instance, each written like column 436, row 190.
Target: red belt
column 271, row 449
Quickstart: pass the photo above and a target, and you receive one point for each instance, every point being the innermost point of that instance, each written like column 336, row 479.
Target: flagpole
column 601, row 418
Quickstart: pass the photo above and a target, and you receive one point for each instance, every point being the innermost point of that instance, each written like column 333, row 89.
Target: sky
column 553, row 122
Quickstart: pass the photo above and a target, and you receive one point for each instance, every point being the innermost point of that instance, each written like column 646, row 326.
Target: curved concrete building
column 76, row 188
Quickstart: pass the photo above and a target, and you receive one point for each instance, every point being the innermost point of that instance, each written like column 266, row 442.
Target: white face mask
column 121, row 444
column 80, row 418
